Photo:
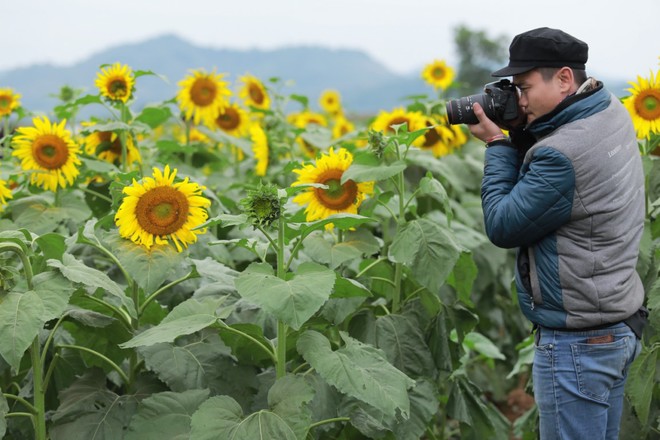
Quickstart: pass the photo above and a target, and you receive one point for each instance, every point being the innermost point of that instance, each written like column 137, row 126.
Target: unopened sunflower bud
column 376, row 142
column 262, row 206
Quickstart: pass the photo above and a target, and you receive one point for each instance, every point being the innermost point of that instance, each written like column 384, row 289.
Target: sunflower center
column 229, row 119
column 648, row 104
column 162, row 210
column 203, row 92
column 337, row 196
column 431, row 137
column 438, row 73
column 118, row 87
column 107, row 144
column 50, row 151
column 397, row 121
column 4, row 101
column 256, row 94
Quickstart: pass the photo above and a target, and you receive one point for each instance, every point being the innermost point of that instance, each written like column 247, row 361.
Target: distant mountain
column 365, row 85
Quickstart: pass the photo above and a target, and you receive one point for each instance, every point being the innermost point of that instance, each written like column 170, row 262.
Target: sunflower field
column 241, row 262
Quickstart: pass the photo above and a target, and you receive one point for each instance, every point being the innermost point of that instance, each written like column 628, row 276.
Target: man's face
column 536, row 97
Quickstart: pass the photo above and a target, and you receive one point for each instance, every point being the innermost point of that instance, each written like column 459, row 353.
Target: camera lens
column 459, row 111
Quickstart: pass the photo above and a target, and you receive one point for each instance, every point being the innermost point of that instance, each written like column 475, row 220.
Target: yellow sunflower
column 341, row 127
column 9, row 101
column 330, row 101
column 306, row 119
column 460, row 137
column 106, row 145
column 5, row 194
column 644, row 105
column 337, row 198
column 202, row 96
column 385, row 120
column 48, row 150
column 159, row 209
column 233, row 120
column 254, row 93
column 260, row 149
column 116, row 82
column 438, row 74
column 439, row 139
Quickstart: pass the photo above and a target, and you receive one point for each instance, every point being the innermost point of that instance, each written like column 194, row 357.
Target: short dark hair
column 579, row 75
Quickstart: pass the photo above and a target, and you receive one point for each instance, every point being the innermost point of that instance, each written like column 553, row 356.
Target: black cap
column 544, row 47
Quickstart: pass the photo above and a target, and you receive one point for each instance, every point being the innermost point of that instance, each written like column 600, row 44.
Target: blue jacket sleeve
column 519, row 210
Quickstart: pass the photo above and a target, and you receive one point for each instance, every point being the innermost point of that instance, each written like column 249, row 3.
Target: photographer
column 567, row 190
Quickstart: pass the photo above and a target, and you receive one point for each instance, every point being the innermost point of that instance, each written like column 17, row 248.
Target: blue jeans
column 579, row 379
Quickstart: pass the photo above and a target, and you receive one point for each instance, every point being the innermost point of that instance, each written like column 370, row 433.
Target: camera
column 499, row 101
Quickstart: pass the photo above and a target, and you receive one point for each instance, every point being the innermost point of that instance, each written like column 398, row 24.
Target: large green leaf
column 54, row 291
column 150, row 268
column 374, row 424
column 367, row 167
column 463, row 276
column 166, row 416
column 359, row 370
column 89, row 410
column 293, row 301
column 288, row 398
column 21, row 318
column 478, row 419
column 288, row 417
column 403, row 344
column 186, row 318
column 201, row 363
column 641, row 382
column 429, row 249
column 78, row 272
column 4, row 409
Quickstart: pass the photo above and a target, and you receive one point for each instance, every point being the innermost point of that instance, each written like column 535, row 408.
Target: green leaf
column 463, row 276
column 288, row 398
column 149, row 268
column 21, row 318
column 475, row 341
column 225, row 220
column 321, row 250
column 78, row 272
column 166, row 416
column 221, row 417
column 403, row 344
column 348, row 288
column 432, row 187
column 154, row 116
column 89, row 410
column 52, row 245
column 428, row 249
column 4, row 409
column 341, row 221
column 245, row 349
column 359, row 370
column 478, row 419
column 367, row 167
column 641, row 382
column 293, row 301
column 186, row 318
column 423, row 407
column 200, row 363
column 54, row 291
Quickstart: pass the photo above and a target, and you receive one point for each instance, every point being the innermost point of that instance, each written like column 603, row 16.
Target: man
column 567, row 190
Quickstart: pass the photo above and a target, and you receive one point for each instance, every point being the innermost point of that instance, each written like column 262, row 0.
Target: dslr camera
column 499, row 101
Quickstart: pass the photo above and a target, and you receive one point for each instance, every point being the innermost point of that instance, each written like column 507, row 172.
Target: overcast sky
column 402, row 34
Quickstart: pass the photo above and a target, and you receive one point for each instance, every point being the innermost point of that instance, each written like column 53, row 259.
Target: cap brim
column 511, row 70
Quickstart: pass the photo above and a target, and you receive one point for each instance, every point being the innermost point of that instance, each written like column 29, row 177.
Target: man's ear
column 566, row 79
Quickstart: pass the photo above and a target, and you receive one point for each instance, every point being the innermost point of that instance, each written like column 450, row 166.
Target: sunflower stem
column 123, row 139
column 280, row 366
column 39, row 391
column 5, row 133
column 401, row 221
